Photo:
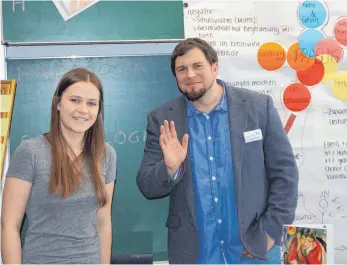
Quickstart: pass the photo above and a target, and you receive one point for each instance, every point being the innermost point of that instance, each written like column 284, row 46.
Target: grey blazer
column 265, row 173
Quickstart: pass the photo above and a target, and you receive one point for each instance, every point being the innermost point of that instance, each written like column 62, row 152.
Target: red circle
column 313, row 75
column 296, row 97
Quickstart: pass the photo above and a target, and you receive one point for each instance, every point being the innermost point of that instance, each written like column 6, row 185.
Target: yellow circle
column 340, row 85
column 330, row 66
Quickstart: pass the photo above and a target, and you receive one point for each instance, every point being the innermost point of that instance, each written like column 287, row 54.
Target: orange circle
column 297, row 60
column 296, row 97
column 271, row 56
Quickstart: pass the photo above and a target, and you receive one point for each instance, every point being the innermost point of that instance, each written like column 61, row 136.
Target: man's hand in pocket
column 270, row 243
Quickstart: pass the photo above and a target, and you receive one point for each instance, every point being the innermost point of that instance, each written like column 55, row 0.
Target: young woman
column 63, row 180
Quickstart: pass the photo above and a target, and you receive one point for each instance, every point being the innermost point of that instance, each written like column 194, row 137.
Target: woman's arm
column 104, row 226
column 15, row 198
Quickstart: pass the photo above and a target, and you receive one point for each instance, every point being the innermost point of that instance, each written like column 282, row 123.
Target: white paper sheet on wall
column 294, row 51
column 71, row 8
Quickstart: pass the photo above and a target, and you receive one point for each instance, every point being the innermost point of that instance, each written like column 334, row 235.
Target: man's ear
column 215, row 68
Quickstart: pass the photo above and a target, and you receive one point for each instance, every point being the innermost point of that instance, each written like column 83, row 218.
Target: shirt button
column 222, row 242
column 213, row 178
column 207, row 117
column 211, row 158
column 209, row 138
column 219, row 221
column 215, row 199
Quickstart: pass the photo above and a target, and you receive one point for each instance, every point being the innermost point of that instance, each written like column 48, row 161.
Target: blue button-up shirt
column 215, row 204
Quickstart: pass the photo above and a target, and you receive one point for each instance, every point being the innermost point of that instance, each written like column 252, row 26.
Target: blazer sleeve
column 283, row 176
column 152, row 178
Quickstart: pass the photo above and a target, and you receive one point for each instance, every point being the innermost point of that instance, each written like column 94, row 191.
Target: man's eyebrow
column 182, row 65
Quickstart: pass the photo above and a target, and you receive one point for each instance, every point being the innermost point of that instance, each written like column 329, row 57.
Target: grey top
column 59, row 230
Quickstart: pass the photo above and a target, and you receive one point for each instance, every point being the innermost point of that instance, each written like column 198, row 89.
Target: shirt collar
column 222, row 104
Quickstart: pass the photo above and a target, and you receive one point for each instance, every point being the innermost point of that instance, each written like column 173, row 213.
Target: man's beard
column 195, row 95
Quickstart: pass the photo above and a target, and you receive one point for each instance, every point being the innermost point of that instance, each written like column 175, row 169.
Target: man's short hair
column 186, row 45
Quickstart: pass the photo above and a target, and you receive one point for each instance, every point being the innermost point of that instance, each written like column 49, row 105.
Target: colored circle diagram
column 308, row 39
column 312, row 75
column 297, row 60
column 296, row 97
column 312, row 14
column 340, row 31
column 271, row 56
column 339, row 85
column 330, row 66
column 329, row 46
column 314, row 57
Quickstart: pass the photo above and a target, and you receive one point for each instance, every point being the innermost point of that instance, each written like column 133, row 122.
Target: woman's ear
column 57, row 102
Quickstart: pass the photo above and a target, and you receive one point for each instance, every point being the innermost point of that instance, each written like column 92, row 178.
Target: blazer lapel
column 179, row 116
column 237, row 110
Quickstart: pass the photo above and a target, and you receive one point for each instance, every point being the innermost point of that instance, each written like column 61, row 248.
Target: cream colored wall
column 2, row 76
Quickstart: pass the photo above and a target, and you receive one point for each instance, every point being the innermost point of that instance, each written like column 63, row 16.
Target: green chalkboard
column 133, row 86
column 104, row 20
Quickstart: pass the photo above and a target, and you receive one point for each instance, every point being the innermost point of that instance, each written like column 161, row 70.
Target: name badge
column 252, row 136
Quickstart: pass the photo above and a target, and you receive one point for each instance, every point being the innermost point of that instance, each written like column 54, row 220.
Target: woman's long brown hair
column 66, row 168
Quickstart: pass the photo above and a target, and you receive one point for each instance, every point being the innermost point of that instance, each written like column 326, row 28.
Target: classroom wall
column 128, row 69
column 2, row 50
column 312, row 128
column 2, row 76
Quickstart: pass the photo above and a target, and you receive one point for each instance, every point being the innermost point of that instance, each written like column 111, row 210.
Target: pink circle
column 330, row 47
column 340, row 31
